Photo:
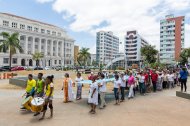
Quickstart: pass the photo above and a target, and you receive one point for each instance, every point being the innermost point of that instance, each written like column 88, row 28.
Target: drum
column 37, row 104
column 26, row 102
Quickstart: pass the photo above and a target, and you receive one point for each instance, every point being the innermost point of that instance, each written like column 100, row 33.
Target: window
column 55, row 61
column 5, row 60
column 42, row 30
column 48, row 32
column 59, row 34
column 36, row 46
column 53, row 33
column 5, row 23
column 22, row 26
column 59, row 61
column 14, row 25
column 14, row 60
column 36, row 29
column 29, row 28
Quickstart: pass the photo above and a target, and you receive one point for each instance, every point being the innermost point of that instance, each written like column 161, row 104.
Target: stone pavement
column 155, row 109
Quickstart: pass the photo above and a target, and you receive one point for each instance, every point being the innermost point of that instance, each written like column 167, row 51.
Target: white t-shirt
column 141, row 79
column 123, row 83
column 117, row 83
column 170, row 77
column 78, row 80
column 103, row 86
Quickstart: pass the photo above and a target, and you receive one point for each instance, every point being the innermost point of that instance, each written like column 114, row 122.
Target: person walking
column 141, row 79
column 131, row 84
column 154, row 77
column 102, row 89
column 79, row 86
column 183, row 78
column 123, row 86
column 117, row 86
column 170, row 80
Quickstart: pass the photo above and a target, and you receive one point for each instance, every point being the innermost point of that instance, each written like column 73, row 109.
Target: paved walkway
column 155, row 109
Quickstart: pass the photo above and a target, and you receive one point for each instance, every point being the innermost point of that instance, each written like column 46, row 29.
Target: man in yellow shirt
column 30, row 87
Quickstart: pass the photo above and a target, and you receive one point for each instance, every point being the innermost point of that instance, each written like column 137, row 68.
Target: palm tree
column 84, row 55
column 10, row 43
column 37, row 56
column 185, row 54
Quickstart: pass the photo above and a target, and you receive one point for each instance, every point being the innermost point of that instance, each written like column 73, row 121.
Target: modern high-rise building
column 133, row 44
column 36, row 36
column 172, row 35
column 107, row 45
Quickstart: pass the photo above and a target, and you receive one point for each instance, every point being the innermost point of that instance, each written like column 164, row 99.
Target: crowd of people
column 125, row 83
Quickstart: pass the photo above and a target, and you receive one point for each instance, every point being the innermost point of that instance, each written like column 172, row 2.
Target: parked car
column 59, row 68
column 38, row 68
column 1, row 69
column 6, row 68
column 47, row 68
column 17, row 68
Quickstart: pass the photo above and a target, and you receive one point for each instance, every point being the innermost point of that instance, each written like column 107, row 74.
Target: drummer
column 48, row 96
column 30, row 87
column 40, row 88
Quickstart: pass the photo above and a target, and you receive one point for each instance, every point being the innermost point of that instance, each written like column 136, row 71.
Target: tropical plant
column 37, row 56
column 83, row 56
column 10, row 43
column 149, row 52
column 185, row 54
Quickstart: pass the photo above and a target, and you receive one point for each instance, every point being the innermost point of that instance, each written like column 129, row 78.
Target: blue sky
column 83, row 18
column 43, row 12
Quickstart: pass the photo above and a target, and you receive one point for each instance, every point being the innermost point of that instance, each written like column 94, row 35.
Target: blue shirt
column 183, row 74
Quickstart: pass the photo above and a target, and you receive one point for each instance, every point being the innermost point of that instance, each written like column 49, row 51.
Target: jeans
column 164, row 84
column 154, row 86
column 142, row 88
column 183, row 82
column 171, row 84
column 102, row 99
column 116, row 93
column 122, row 93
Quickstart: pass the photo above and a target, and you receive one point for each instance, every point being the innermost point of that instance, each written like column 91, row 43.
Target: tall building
column 76, row 52
column 107, row 45
column 92, row 58
column 172, row 34
column 133, row 44
column 36, row 36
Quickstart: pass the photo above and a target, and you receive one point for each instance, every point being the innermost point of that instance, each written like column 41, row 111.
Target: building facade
column 172, row 35
column 92, row 58
column 36, row 36
column 76, row 52
column 133, row 44
column 107, row 45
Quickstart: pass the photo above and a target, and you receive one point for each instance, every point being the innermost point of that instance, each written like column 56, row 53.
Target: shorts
column 48, row 99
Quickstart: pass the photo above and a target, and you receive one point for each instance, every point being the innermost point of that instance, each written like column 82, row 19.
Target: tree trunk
column 10, row 60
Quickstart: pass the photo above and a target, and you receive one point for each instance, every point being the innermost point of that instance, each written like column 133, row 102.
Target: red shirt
column 90, row 77
column 154, row 77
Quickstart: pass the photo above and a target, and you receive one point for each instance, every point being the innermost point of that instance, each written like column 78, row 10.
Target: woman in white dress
column 93, row 96
column 79, row 86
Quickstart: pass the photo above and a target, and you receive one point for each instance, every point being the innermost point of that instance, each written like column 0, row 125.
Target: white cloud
column 121, row 15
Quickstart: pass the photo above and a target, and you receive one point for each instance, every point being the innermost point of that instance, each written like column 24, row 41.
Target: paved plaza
column 154, row 109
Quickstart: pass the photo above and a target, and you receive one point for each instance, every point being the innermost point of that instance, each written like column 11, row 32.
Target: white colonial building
column 36, row 36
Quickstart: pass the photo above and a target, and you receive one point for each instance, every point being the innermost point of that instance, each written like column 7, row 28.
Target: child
column 48, row 96
column 93, row 96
